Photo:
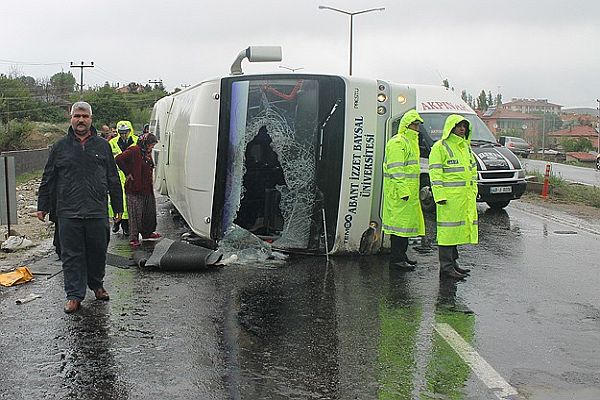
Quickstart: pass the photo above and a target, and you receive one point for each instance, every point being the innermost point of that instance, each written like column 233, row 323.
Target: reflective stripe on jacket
column 453, row 177
column 401, row 172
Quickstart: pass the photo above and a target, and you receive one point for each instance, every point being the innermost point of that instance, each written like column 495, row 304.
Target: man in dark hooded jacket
column 79, row 173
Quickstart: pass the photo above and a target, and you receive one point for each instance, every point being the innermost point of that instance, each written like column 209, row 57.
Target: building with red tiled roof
column 581, row 157
column 528, row 106
column 575, row 132
column 511, row 123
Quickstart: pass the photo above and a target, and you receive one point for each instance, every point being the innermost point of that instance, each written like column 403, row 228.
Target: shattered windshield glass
column 270, row 186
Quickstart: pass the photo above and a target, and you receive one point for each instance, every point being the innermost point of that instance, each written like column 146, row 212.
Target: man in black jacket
column 79, row 174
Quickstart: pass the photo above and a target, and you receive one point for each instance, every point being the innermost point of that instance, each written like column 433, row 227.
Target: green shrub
column 13, row 134
column 567, row 192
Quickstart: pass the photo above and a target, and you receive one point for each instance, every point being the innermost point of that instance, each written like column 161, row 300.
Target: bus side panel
column 200, row 157
column 356, row 193
column 182, row 162
column 158, row 124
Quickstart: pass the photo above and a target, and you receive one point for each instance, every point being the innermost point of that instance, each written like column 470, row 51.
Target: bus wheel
column 426, row 197
column 498, row 205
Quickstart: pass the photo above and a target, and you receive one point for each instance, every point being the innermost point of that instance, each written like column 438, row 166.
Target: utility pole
column 82, row 66
column 544, row 134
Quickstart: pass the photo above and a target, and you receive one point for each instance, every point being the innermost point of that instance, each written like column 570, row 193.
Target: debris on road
column 14, row 243
column 27, row 299
column 18, row 276
column 171, row 255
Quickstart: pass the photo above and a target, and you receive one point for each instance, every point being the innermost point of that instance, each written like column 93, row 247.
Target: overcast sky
column 535, row 49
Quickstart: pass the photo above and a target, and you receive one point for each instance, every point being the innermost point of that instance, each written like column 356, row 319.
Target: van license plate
column 500, row 189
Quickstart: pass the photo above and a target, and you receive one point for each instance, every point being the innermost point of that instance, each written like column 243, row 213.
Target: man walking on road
column 402, row 215
column 79, row 173
column 453, row 176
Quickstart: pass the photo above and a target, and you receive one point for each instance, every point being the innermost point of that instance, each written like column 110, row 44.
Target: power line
column 29, row 63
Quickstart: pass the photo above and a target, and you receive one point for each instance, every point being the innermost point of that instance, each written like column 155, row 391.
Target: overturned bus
column 297, row 158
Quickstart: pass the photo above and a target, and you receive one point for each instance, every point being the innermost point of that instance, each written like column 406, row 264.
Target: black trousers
column 448, row 256
column 399, row 245
column 83, row 244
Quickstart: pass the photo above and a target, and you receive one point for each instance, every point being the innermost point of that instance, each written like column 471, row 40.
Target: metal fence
column 28, row 160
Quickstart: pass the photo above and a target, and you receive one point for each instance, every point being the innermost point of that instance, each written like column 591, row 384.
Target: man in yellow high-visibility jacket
column 453, row 176
column 125, row 138
column 402, row 215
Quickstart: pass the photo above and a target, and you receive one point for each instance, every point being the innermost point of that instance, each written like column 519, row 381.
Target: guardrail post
column 8, row 196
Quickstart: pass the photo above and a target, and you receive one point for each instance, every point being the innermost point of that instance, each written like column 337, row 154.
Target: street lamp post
column 598, row 125
column 351, row 14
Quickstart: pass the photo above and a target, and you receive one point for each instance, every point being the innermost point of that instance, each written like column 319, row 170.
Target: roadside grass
column 28, row 176
column 565, row 192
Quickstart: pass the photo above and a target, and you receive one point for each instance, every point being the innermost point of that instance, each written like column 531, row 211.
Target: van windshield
column 434, row 124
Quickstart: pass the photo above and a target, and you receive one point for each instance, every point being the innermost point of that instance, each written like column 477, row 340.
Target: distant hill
column 581, row 110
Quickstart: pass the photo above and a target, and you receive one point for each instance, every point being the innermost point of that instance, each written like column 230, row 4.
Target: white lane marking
column 484, row 371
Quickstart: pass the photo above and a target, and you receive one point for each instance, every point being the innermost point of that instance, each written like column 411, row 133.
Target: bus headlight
column 401, row 99
column 381, row 110
column 381, row 97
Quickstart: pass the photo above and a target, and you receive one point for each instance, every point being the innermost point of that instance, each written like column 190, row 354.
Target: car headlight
column 522, row 173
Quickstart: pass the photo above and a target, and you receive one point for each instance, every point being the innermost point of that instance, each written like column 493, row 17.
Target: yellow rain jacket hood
column 402, row 214
column 453, row 177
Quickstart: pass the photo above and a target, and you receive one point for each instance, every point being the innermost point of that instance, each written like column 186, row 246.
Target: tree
column 446, row 84
column 15, row 99
column 108, row 106
column 578, row 145
column 63, row 84
column 464, row 96
column 550, row 122
column 490, row 99
column 498, row 100
column 482, row 103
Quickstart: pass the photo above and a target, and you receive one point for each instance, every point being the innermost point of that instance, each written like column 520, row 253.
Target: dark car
column 517, row 145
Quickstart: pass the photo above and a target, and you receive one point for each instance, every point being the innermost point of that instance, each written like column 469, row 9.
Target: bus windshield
column 281, row 136
column 434, row 124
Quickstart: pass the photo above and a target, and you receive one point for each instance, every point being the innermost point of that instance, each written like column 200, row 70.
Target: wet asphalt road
column 571, row 173
column 350, row 329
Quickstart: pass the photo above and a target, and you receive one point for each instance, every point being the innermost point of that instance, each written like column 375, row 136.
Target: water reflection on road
column 350, row 329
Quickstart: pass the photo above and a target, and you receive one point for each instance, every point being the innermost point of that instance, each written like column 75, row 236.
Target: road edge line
column 484, row 371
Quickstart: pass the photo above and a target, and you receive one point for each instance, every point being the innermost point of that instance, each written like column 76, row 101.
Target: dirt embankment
column 28, row 226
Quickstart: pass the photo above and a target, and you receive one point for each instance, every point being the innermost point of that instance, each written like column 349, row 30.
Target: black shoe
column 464, row 271
column 410, row 262
column 402, row 265
column 116, row 226
column 453, row 275
column 125, row 226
